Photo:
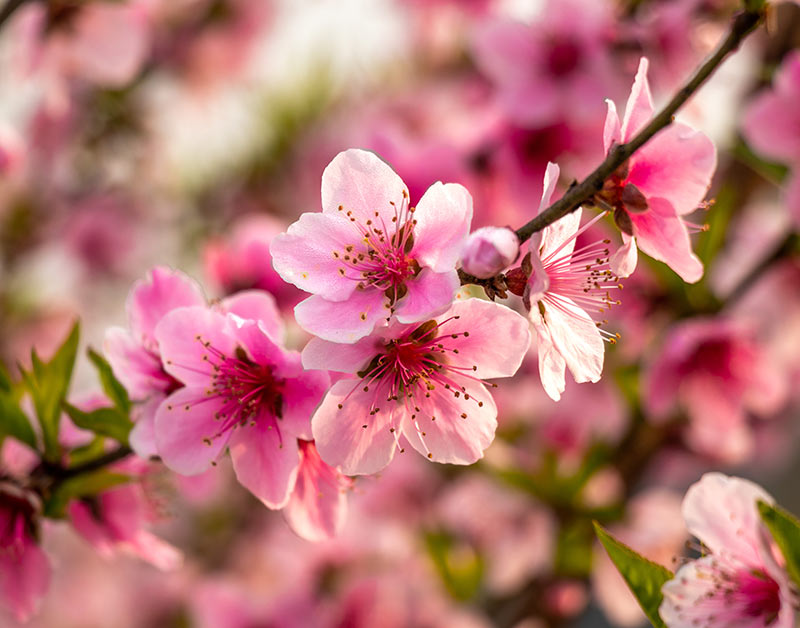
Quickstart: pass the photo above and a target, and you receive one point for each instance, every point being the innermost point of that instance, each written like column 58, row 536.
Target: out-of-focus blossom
column 772, row 126
column 489, row 250
column 739, row 582
column 134, row 354
column 369, row 254
column 419, row 381
column 564, row 283
column 662, row 182
column 716, row 371
column 24, row 568
column 552, row 69
column 654, row 528
column 241, row 390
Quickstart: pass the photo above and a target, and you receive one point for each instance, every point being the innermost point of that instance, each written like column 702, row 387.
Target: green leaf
column 458, row 565
column 103, row 421
column 785, row 529
column 81, row 486
column 48, row 383
column 644, row 577
column 111, row 386
column 86, row 453
column 14, row 422
column 5, row 380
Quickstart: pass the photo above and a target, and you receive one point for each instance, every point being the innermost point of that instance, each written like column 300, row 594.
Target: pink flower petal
column 450, row 438
column 138, row 369
column 485, row 322
column 676, row 165
column 182, row 335
column 143, row 435
column 266, row 462
column 662, row 235
column 611, row 130
column 257, row 305
column 342, row 321
column 24, row 579
column 317, row 507
column 340, row 435
column 164, row 290
column 341, row 358
column 362, row 183
column 443, row 216
column 156, row 551
column 552, row 366
column 429, row 294
column 187, row 434
column 577, row 339
column 639, row 108
column 304, row 255
column 623, row 261
column 301, row 396
column 560, row 236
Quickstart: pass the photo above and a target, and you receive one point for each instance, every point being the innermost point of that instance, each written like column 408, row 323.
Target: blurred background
column 189, row 132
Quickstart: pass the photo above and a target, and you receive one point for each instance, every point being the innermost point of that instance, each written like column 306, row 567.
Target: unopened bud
column 488, row 251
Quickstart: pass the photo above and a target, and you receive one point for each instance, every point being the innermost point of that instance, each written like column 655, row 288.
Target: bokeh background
column 190, row 132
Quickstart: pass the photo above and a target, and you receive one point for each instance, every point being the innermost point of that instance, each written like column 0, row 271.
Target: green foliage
column 644, row 577
column 114, row 390
column 48, row 383
column 109, row 422
column 785, row 529
column 81, row 486
column 14, row 422
column 458, row 565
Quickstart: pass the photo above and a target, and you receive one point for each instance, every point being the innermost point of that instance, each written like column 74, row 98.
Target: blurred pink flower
column 241, row 390
column 662, row 182
column 563, row 284
column 24, row 568
column 134, row 354
column 554, row 68
column 423, row 382
column 369, row 254
column 716, row 371
column 739, row 582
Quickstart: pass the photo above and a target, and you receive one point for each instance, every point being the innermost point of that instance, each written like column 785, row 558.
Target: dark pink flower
column 241, row 391
column 370, row 254
column 423, row 382
column 738, row 583
column 662, row 182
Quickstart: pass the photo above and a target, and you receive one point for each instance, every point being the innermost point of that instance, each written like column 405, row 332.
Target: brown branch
column 742, row 25
column 9, row 9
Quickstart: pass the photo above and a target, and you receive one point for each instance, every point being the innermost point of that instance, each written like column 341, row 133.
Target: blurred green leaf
column 644, row 577
column 111, row 386
column 14, row 422
column 48, row 383
column 103, row 421
column 785, row 529
column 458, row 565
column 86, row 453
column 81, row 486
column 574, row 549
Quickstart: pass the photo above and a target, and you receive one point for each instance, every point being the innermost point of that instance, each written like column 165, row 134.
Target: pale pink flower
column 738, row 583
column 419, row 381
column 117, row 519
column 318, row 504
column 564, row 283
column 242, row 390
column 663, row 181
column 489, row 250
column 369, row 254
column 720, row 375
column 134, row 354
column 552, row 68
column 24, row 568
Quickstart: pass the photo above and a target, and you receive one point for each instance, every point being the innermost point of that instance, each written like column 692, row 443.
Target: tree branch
column 9, row 9
column 742, row 25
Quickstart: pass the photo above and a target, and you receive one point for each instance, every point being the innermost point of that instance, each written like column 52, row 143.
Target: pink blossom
column 369, row 254
column 242, row 390
column 419, row 381
column 24, row 568
column 564, row 283
column 317, row 507
column 719, row 374
column 489, row 250
column 116, row 520
column 554, row 67
column 738, row 582
column 662, row 182
column 134, row 354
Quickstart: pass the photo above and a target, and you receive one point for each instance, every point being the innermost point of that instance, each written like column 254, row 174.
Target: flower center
column 381, row 260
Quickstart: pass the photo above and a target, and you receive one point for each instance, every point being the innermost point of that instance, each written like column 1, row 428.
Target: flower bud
column 488, row 251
